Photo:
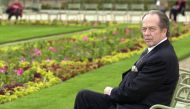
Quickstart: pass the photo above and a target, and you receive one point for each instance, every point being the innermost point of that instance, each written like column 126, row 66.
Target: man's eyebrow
column 149, row 27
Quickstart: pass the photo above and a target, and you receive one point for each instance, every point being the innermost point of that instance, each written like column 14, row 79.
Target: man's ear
column 164, row 30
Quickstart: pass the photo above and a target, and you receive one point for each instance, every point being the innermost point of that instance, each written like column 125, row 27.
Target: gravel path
column 185, row 64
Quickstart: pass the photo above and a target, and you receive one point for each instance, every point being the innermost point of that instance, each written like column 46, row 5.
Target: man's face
column 151, row 31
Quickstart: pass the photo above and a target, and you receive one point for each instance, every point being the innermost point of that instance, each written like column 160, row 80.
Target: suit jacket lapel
column 144, row 56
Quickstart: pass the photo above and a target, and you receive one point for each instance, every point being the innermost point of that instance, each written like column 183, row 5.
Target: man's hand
column 108, row 90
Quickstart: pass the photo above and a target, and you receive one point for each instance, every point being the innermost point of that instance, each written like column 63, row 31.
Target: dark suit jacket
column 153, row 83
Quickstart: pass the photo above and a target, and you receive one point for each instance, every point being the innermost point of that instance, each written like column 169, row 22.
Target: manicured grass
column 62, row 95
column 182, row 48
column 9, row 33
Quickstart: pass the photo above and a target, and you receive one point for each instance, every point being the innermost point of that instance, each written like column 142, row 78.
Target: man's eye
column 144, row 29
column 152, row 29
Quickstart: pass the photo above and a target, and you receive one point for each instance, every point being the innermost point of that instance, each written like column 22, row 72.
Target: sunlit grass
column 9, row 33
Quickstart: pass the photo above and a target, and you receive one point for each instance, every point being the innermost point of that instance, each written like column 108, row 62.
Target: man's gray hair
column 164, row 21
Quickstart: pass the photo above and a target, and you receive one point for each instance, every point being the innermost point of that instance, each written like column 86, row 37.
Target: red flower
column 122, row 40
column 37, row 52
column 127, row 31
column 115, row 33
column 52, row 49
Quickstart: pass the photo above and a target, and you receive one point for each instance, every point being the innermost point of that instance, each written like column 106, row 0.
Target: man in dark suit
column 150, row 81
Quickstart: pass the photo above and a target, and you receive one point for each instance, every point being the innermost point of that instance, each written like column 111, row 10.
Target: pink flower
column 85, row 38
column 122, row 40
column 48, row 60
column 127, row 31
column 22, row 59
column 115, row 33
column 52, row 49
column 37, row 52
column 19, row 71
column 3, row 69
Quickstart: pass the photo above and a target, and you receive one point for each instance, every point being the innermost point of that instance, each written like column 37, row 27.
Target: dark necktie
column 141, row 57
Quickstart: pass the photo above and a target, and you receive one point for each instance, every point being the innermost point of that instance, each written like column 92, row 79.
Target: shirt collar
column 151, row 48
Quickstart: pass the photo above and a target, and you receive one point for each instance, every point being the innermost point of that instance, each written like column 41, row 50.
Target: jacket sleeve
column 148, row 79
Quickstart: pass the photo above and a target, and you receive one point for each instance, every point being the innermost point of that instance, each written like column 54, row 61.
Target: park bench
column 152, row 7
column 181, row 94
column 33, row 6
column 73, row 11
column 91, row 11
column 137, row 7
column 137, row 10
column 74, row 6
column 121, row 11
column 32, row 10
column 91, row 7
column 107, row 11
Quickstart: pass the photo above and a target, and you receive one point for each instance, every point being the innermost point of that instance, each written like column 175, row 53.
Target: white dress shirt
column 151, row 48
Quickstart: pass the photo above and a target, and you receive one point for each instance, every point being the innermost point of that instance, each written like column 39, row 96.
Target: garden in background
column 28, row 67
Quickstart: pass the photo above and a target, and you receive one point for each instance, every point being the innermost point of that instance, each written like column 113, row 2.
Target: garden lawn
column 62, row 95
column 10, row 33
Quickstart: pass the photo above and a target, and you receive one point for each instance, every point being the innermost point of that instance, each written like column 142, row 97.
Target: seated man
column 152, row 79
column 14, row 9
column 178, row 8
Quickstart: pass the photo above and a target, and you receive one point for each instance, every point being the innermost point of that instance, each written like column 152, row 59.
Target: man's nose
column 147, row 32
